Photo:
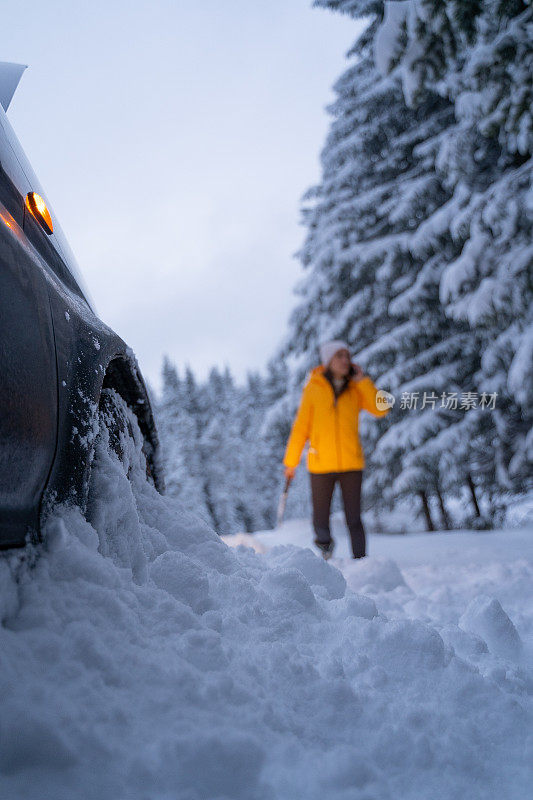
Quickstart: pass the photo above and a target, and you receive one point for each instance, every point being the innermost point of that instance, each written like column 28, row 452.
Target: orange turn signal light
column 38, row 208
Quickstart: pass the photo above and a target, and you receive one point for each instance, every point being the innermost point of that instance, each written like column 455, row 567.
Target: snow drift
column 141, row 657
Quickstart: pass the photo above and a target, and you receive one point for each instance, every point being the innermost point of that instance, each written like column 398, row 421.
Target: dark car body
column 56, row 356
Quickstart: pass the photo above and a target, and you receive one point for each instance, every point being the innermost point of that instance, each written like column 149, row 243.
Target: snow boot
column 326, row 549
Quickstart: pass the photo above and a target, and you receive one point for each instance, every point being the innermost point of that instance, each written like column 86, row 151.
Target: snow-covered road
column 433, row 577
column 147, row 660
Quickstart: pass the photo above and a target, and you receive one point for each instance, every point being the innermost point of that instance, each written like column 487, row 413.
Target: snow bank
column 485, row 617
column 144, row 658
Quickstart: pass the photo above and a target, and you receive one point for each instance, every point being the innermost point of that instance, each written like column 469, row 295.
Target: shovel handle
column 282, row 501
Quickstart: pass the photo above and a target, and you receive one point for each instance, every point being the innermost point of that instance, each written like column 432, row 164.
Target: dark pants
column 322, row 486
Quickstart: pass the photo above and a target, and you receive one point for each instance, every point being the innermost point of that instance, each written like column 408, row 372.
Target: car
column 59, row 363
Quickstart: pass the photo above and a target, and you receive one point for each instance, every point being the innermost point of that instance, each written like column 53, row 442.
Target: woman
column 329, row 417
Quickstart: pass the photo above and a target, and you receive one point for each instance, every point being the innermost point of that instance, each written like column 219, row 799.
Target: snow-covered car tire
column 117, row 481
column 113, row 417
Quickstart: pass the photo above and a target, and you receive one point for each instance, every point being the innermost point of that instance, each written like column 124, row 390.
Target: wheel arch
column 112, row 367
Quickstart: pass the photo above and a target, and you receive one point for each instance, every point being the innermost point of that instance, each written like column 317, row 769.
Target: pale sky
column 174, row 141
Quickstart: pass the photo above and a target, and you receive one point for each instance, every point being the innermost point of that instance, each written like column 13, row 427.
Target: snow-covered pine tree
column 218, row 463
column 178, row 434
column 479, row 56
column 381, row 232
column 222, row 453
column 255, row 500
column 168, row 422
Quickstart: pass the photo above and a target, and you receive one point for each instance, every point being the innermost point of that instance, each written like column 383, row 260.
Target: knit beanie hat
column 328, row 350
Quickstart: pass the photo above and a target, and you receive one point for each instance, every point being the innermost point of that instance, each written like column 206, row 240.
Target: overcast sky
column 174, row 141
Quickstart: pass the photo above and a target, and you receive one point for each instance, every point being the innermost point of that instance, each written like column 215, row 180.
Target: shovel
column 282, row 502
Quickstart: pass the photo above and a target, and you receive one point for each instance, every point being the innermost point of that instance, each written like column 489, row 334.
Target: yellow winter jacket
column 331, row 427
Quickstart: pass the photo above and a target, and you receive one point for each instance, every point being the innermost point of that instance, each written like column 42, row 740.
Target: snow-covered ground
column 480, row 582
column 144, row 659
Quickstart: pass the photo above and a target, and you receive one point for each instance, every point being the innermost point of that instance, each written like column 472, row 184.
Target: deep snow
column 143, row 658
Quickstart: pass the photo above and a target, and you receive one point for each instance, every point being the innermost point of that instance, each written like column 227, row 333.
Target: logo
column 384, row 400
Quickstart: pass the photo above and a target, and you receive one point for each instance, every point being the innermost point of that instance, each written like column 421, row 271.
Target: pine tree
column 178, row 433
column 222, row 454
column 479, row 56
column 400, row 166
